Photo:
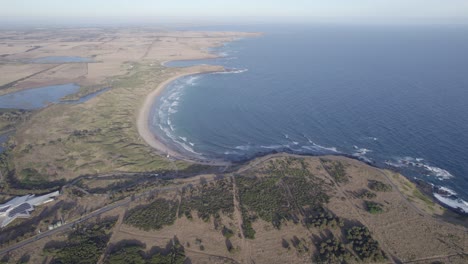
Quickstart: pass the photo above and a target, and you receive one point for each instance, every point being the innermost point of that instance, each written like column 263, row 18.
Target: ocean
column 395, row 97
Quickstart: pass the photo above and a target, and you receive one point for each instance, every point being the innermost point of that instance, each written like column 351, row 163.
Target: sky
column 367, row 11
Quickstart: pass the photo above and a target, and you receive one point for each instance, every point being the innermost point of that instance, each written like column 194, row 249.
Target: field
column 64, row 141
column 277, row 209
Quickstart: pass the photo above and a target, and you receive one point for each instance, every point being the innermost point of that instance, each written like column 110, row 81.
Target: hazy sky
column 314, row 10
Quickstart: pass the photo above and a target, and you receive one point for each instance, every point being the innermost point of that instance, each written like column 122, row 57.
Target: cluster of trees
column 373, row 207
column 332, row 251
column 306, row 192
column 366, row 194
column 155, row 215
column 289, row 192
column 261, row 197
column 208, row 200
column 379, row 186
column 324, row 220
column 127, row 252
column 84, row 245
column 336, row 169
column 364, row 245
column 360, row 241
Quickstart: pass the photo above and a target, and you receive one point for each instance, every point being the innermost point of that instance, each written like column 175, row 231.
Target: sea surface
column 395, row 97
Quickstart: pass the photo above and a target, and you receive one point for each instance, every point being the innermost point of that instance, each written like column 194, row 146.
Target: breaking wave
column 419, row 163
column 450, row 198
column 168, row 106
column 232, row 71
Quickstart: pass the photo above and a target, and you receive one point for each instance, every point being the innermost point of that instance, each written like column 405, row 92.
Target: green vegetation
column 159, row 213
column 364, row 245
column 227, row 233
column 418, row 194
column 247, row 220
column 263, row 198
column 84, row 245
column 84, row 91
column 336, row 169
column 373, row 207
column 332, row 251
column 98, row 136
column 379, row 186
column 366, row 194
column 290, row 191
column 208, row 200
column 129, row 254
column 132, row 252
column 300, row 245
column 324, row 220
column 10, row 117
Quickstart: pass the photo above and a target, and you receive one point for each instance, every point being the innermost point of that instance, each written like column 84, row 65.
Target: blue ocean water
column 393, row 96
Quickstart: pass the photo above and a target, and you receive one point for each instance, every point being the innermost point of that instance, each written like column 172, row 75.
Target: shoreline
column 166, row 149
column 151, row 139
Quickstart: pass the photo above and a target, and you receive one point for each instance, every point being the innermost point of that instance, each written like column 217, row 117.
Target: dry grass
column 65, row 141
column 49, row 142
column 404, row 231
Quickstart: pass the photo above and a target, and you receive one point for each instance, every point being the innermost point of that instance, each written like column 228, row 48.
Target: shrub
column 379, row 186
column 374, row 208
column 366, row 194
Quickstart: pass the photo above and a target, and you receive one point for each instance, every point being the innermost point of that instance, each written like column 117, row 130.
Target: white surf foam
column 453, row 203
column 320, row 149
column 361, row 151
column 232, row 71
column 447, row 190
column 192, row 78
column 275, row 146
column 243, row 147
column 437, row 172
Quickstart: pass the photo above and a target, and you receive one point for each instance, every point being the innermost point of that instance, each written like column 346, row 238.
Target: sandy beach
column 126, row 60
column 145, row 110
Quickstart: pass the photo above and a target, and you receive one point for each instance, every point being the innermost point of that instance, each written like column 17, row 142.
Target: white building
column 22, row 206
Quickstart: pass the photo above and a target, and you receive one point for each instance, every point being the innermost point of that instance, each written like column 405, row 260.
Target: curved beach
column 144, row 116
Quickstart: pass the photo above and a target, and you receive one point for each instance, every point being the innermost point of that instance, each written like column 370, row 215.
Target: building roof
column 22, row 206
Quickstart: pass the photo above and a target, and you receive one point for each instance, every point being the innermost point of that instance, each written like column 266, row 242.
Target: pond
column 61, row 59
column 37, row 97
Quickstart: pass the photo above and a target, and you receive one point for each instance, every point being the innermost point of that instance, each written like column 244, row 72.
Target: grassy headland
column 99, row 136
